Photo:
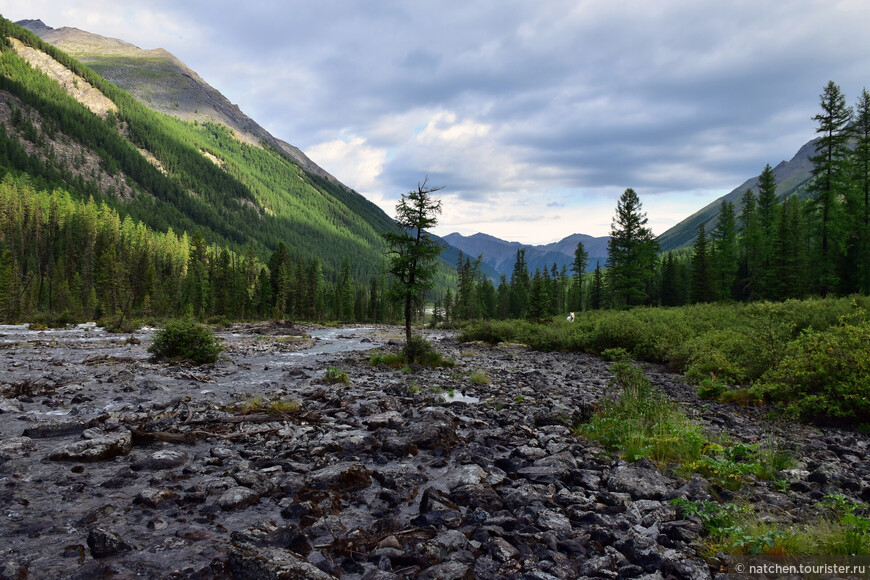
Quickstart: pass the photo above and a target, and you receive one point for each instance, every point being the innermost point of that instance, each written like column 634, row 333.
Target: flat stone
column 104, row 543
column 346, row 476
column 163, row 459
column 271, row 563
column 386, row 420
column 99, row 448
column 639, row 482
column 237, row 497
column 58, row 428
column 16, row 447
column 471, row 474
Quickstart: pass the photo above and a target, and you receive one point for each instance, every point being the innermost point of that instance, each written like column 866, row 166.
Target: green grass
column 479, row 378
column 842, row 528
column 639, row 421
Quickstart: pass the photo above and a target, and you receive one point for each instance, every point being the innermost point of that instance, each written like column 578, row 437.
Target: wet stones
column 16, row 447
column 237, row 497
column 58, row 428
column 345, row 476
column 97, row 446
column 103, row 543
column 270, row 563
column 163, row 459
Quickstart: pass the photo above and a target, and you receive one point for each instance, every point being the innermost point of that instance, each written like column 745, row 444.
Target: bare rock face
column 76, row 86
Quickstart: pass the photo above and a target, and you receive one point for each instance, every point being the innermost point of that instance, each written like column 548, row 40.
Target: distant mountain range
column 501, row 255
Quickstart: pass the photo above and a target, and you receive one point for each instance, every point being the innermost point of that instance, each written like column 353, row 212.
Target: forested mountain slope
column 162, row 82
column 168, row 173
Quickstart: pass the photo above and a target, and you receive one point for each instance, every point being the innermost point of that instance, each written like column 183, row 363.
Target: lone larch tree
column 412, row 253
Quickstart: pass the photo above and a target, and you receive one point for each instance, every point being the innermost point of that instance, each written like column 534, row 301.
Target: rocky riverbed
column 266, row 465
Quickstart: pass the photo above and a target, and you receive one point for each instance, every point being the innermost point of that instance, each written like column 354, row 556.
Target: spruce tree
column 596, row 291
column 631, row 252
column 749, row 268
column 829, row 183
column 578, row 266
column 726, row 257
column 861, row 180
column 702, row 288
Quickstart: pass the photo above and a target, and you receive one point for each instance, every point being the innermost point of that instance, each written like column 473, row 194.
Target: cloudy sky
column 534, row 115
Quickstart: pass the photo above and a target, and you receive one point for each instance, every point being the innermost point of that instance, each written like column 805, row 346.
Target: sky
column 534, row 116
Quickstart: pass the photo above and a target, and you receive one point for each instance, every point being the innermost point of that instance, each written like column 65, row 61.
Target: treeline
column 63, row 260
column 816, row 244
column 793, row 248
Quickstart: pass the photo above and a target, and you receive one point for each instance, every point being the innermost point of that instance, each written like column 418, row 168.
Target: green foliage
column 640, row 422
column 710, row 388
column 615, row 354
column 184, row 339
column 729, row 344
column 824, row 374
column 335, row 376
column 420, row 351
column 256, row 196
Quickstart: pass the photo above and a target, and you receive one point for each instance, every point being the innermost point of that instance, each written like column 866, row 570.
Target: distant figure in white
column 571, row 317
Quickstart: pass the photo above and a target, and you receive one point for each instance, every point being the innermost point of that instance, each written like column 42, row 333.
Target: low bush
column 823, row 375
column 737, row 343
column 185, row 339
column 335, row 376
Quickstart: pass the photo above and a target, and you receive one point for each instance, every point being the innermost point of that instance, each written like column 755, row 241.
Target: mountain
column 501, row 255
column 792, row 177
column 219, row 173
column 165, row 84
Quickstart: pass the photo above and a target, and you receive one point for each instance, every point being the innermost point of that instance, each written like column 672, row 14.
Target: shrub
column 184, row 339
column 711, row 388
column 824, row 374
column 424, row 354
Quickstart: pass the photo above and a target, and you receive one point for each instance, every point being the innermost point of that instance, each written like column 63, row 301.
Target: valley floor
column 292, row 456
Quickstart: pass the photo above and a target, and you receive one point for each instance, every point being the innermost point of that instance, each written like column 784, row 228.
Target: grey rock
column 502, row 550
column 152, row 497
column 270, row 563
column 163, row 459
column 98, row 448
column 16, row 447
column 447, row 571
column 57, row 428
column 237, row 497
column 346, row 476
column 104, row 543
column 640, row 482
column 465, row 475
